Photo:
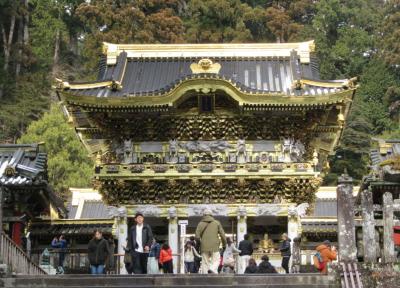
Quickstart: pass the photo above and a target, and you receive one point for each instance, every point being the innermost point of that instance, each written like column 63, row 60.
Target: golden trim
column 64, row 85
column 205, row 66
column 209, row 50
column 206, row 84
column 324, row 84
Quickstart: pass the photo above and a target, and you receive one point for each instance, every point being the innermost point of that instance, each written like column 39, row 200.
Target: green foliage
column 68, row 161
column 46, row 21
column 26, row 102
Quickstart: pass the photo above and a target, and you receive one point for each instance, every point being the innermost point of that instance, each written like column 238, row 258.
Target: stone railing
column 16, row 259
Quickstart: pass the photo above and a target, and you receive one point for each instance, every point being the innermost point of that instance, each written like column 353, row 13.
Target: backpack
column 318, row 262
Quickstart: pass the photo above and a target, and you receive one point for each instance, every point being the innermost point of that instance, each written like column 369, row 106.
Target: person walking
column 246, row 250
column 197, row 260
column 60, row 245
column 140, row 238
column 190, row 254
column 209, row 231
column 228, row 258
column 166, row 259
column 328, row 254
column 285, row 252
column 265, row 266
column 154, row 256
column 98, row 253
column 252, row 267
column 110, row 267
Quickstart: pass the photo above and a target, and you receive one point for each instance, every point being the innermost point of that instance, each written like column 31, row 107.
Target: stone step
column 165, row 281
column 204, row 285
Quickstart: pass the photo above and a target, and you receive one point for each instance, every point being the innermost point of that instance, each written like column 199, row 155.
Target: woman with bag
column 190, row 254
column 154, row 255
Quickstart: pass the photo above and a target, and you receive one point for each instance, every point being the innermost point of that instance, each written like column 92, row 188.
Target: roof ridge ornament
column 205, row 65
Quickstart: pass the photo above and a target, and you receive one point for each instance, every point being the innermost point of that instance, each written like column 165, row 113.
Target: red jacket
column 327, row 255
column 165, row 255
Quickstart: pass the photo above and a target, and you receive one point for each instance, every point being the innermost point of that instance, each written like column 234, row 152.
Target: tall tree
column 68, row 161
column 152, row 21
column 216, row 21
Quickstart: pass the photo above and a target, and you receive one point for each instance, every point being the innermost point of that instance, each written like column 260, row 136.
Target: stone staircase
column 169, row 281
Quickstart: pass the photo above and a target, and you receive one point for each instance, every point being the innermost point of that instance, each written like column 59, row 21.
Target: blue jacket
column 285, row 248
column 155, row 250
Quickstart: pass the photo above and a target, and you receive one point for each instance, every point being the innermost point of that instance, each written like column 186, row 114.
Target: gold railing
column 16, row 259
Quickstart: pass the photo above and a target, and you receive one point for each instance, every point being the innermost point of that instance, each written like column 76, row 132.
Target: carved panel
column 293, row 190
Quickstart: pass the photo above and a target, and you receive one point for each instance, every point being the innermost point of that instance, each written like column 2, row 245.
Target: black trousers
column 168, row 267
column 285, row 263
column 139, row 262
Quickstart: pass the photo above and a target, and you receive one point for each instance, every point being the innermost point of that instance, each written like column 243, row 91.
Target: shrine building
column 242, row 129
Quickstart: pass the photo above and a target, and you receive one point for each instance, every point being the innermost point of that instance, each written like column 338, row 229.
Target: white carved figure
column 119, row 212
column 297, row 151
column 172, row 212
column 241, row 211
column 299, row 210
column 173, row 147
column 241, row 147
column 205, row 146
column 127, row 148
column 302, row 209
column 216, row 209
column 287, row 147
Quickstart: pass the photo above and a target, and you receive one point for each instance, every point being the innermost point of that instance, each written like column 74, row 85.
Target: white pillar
column 121, row 226
column 173, row 239
column 242, row 223
column 294, row 224
column 293, row 228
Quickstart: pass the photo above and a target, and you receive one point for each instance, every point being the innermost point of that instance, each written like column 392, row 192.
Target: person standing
column 98, row 253
column 209, row 231
column 228, row 258
column 60, row 244
column 246, row 250
column 166, row 259
column 328, row 254
column 154, row 256
column 285, row 252
column 197, row 260
column 190, row 254
column 140, row 238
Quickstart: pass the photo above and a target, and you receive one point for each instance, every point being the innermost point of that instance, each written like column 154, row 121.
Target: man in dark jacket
column 140, row 238
column 265, row 266
column 285, row 252
column 98, row 252
column 246, row 250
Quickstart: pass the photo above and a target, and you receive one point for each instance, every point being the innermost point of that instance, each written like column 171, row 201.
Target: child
column 166, row 259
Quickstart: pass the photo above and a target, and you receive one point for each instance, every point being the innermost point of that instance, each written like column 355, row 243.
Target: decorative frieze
column 207, row 191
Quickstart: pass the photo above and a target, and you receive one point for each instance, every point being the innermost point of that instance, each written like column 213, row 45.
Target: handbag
column 127, row 257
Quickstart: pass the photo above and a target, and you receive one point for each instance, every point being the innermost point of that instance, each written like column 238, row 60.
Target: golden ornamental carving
column 205, row 66
column 195, row 191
